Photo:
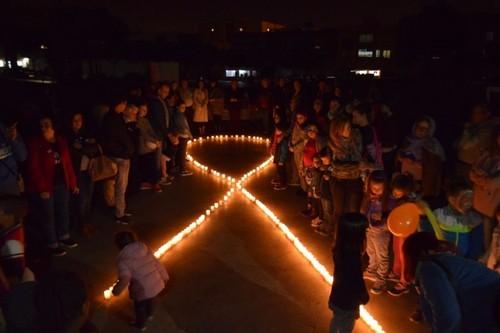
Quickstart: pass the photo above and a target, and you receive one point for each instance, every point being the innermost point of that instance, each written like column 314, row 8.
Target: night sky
column 154, row 17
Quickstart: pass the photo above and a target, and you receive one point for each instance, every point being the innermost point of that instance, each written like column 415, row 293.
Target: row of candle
column 251, row 138
column 165, row 247
column 301, row 248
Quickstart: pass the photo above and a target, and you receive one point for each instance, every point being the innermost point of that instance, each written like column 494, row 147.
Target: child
column 378, row 237
column 312, row 176
column 141, row 272
column 402, row 188
column 461, row 224
column 348, row 289
column 325, row 227
column 312, row 145
column 184, row 135
column 279, row 149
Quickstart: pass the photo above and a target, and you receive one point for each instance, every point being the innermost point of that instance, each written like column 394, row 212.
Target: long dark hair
column 351, row 234
column 417, row 247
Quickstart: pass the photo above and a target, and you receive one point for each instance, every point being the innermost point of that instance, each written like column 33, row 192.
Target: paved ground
column 236, row 273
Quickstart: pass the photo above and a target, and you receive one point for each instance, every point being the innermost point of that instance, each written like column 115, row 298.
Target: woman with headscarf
column 422, row 156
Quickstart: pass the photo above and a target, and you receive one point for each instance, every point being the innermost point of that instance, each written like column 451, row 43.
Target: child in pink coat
column 144, row 275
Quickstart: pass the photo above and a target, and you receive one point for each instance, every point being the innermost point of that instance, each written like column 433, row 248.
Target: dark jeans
column 55, row 214
column 218, row 128
column 148, row 168
column 347, row 196
column 143, row 310
column 180, row 155
column 171, row 151
column 82, row 202
column 281, row 171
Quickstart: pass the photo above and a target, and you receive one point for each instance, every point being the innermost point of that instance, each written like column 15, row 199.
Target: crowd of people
column 342, row 154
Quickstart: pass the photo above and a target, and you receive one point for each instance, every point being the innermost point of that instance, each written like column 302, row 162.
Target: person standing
column 184, row 135
column 50, row 180
column 200, row 105
column 216, row 105
column 12, row 153
column 474, row 140
column 348, row 288
column 82, row 148
column 118, row 146
column 234, row 103
column 297, row 141
column 265, row 104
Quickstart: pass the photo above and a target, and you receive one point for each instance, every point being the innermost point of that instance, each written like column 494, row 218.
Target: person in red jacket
column 50, row 180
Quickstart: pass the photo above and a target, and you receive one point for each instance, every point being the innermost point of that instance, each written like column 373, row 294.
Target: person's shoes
column 185, row 173
column 370, row 276
column 57, row 251
column 124, row 220
column 393, row 277
column 275, row 182
column 416, row 316
column 316, row 222
column 165, row 181
column 157, row 188
column 128, row 214
column 68, row 243
column 378, row 287
column 398, row 289
column 145, row 187
column 279, row 187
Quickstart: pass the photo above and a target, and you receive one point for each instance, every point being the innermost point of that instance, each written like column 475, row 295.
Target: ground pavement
column 236, row 272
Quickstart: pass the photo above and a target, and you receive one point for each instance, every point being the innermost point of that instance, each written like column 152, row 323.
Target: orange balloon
column 403, row 220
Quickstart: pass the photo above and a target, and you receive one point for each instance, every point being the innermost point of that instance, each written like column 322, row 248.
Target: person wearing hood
column 474, row 140
column 141, row 272
column 422, row 156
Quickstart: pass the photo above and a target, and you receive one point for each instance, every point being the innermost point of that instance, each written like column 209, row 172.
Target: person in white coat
column 200, row 105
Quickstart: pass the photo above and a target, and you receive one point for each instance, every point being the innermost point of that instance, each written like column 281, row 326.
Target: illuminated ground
column 236, row 273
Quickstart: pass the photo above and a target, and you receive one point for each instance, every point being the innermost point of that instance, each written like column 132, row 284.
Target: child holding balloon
column 378, row 237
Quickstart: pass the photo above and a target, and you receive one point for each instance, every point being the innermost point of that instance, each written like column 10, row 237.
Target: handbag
column 102, row 167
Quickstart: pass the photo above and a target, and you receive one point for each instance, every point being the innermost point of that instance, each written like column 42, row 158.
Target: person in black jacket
column 348, row 288
column 234, row 103
column 82, row 147
column 118, row 146
column 160, row 116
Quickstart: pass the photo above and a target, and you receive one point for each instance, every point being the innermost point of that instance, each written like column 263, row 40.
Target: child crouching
column 144, row 275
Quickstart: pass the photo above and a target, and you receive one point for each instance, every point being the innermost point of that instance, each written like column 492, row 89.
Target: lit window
column 377, row 54
column 365, row 53
column 43, row 47
column 241, row 29
column 386, row 54
column 374, row 72
column 230, row 73
column 2, row 63
column 24, row 62
column 366, row 38
column 244, row 73
column 268, row 29
column 212, row 29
